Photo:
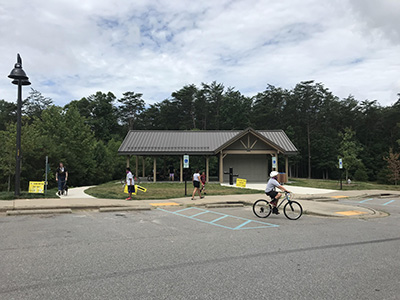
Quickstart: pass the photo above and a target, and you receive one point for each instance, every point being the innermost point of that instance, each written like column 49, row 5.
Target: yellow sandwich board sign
column 241, row 182
column 36, row 187
column 137, row 187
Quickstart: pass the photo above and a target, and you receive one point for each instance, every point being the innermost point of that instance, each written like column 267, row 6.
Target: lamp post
column 20, row 79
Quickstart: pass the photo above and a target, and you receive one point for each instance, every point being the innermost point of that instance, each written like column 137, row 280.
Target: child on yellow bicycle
column 270, row 190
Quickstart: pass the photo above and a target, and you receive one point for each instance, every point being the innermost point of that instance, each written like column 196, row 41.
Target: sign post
column 47, row 171
column 185, row 170
column 340, row 169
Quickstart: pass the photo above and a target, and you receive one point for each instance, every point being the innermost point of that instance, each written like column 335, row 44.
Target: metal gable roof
column 169, row 142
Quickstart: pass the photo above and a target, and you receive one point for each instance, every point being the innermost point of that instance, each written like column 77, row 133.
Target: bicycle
column 292, row 209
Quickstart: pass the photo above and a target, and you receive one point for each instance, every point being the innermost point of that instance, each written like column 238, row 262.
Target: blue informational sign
column 186, row 161
column 273, row 162
column 340, row 163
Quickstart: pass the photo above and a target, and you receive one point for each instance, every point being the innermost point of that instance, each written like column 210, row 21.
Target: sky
column 73, row 48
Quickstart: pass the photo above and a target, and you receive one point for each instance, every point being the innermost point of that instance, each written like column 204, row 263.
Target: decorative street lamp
column 20, row 79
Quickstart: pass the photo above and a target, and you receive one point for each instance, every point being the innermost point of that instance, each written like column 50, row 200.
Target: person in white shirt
column 196, row 184
column 270, row 190
column 130, row 182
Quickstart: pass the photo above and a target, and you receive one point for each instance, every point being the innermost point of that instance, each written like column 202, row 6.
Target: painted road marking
column 351, row 213
column 165, row 204
column 339, row 197
column 244, row 223
column 369, row 199
column 388, row 202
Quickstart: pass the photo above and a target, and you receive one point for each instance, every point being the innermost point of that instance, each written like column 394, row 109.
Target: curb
column 37, row 212
column 219, row 205
column 127, row 208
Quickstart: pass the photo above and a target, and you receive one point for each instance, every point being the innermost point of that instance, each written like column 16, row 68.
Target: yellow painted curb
column 351, row 213
column 164, row 204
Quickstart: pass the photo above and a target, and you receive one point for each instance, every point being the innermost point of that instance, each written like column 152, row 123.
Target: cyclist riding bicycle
column 270, row 190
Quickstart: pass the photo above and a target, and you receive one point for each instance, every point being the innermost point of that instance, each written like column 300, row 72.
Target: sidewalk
column 314, row 201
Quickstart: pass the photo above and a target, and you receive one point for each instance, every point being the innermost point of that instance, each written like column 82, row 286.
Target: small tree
column 349, row 149
column 393, row 166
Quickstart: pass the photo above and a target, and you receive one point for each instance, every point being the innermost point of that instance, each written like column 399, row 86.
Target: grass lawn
column 25, row 195
column 335, row 185
column 162, row 190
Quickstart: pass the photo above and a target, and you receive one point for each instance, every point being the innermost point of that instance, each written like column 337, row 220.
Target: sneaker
column 275, row 211
column 59, row 193
column 129, row 198
column 192, row 199
column 201, row 197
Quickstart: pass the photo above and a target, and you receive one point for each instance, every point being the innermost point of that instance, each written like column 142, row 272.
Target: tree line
column 86, row 133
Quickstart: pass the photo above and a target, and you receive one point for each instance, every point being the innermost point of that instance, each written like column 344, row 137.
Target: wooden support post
column 207, row 169
column 155, row 169
column 181, row 169
column 137, row 166
column 287, row 168
column 143, row 168
column 221, row 168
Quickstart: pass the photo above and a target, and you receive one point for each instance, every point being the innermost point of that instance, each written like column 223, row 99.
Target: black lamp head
column 17, row 72
column 23, row 82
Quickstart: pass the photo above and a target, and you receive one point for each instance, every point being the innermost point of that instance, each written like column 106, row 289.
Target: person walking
column 61, row 178
column 171, row 173
column 130, row 182
column 203, row 183
column 196, row 184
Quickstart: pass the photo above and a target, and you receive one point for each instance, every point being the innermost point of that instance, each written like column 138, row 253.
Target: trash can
column 282, row 178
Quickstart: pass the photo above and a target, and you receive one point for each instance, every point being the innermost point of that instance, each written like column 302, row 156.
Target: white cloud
column 72, row 49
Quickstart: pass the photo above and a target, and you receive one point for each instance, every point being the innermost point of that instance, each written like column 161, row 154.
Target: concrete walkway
column 78, row 193
column 314, row 201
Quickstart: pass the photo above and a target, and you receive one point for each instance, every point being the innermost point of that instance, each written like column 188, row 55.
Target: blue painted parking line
column 388, row 202
column 200, row 213
column 241, row 225
column 183, row 209
column 369, row 199
column 221, row 216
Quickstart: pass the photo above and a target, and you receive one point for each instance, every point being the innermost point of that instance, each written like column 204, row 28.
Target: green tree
column 101, row 114
column 213, row 94
column 236, row 111
column 36, row 103
column 184, row 100
column 132, row 105
column 393, row 165
column 7, row 114
column 269, row 107
column 349, row 150
column 7, row 156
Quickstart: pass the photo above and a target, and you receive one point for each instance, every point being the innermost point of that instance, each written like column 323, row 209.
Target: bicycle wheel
column 261, row 208
column 293, row 210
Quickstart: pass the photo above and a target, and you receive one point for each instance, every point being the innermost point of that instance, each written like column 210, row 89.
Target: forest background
column 85, row 134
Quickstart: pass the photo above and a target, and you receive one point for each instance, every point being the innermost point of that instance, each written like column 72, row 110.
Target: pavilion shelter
column 249, row 152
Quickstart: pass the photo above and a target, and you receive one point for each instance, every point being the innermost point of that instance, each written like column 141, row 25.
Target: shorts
column 171, row 175
column 196, row 184
column 272, row 194
column 131, row 189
